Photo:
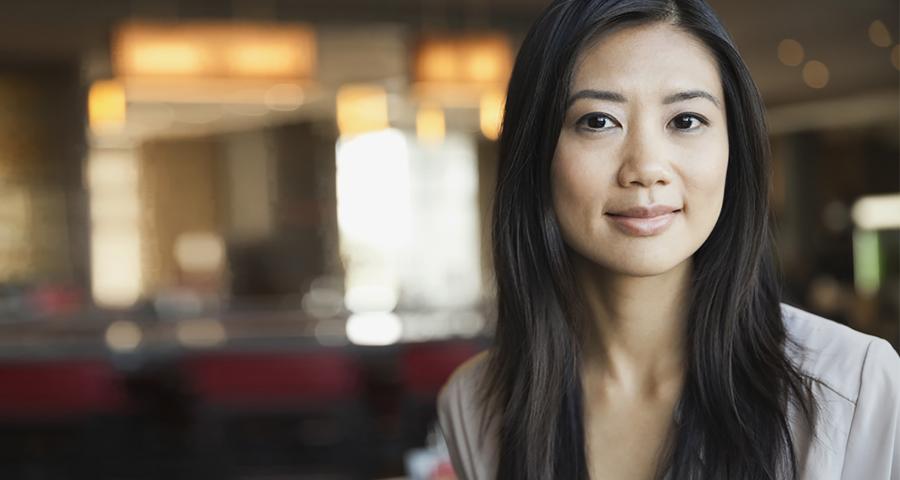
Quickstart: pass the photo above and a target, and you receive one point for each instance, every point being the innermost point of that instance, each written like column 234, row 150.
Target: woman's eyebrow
column 682, row 96
column 619, row 98
column 596, row 95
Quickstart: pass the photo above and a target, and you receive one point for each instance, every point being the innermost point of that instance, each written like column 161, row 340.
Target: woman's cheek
column 574, row 175
column 706, row 188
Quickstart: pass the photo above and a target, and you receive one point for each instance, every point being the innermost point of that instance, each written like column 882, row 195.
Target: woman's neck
column 635, row 341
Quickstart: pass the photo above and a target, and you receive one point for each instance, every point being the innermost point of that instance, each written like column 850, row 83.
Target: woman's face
column 639, row 169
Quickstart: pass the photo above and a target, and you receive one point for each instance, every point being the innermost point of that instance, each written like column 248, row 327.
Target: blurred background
column 248, row 239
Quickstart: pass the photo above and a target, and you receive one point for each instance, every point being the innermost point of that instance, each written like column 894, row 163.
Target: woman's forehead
column 657, row 58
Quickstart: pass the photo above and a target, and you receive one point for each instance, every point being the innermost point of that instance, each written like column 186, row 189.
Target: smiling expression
column 638, row 175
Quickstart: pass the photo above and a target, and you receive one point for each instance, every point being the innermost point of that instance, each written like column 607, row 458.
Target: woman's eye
column 596, row 121
column 688, row 121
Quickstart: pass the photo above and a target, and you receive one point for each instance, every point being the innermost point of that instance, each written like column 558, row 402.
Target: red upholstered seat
column 273, row 379
column 426, row 366
column 63, row 388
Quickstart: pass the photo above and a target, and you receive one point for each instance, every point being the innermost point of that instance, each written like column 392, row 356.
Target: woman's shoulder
column 858, row 377
column 458, row 391
column 470, row 367
column 460, row 415
column 836, row 355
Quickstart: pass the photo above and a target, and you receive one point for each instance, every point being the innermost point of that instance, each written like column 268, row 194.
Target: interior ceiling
column 832, row 31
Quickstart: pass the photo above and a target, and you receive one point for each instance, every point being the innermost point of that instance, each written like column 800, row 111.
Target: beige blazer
column 858, row 389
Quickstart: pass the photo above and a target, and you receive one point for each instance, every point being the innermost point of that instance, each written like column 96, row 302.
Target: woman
column 640, row 332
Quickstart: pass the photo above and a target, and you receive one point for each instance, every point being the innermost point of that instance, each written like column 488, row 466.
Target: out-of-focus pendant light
column 491, row 112
column 212, row 62
column 361, row 108
column 430, row 125
column 214, row 50
column 106, row 105
column 457, row 70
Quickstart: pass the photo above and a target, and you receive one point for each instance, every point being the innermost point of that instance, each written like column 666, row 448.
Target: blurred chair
column 54, row 390
column 424, row 367
column 282, row 413
column 49, row 416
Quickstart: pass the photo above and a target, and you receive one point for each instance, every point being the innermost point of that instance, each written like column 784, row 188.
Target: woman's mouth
column 644, row 221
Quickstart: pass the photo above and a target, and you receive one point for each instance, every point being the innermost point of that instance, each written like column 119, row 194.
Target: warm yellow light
column 123, row 336
column 438, row 62
column 486, row 60
column 116, row 270
column 455, row 71
column 285, row 56
column 199, row 252
column 430, row 124
column 106, row 105
column 116, row 211
column 815, row 74
column 201, row 332
column 361, row 108
column 477, row 59
column 112, row 172
column 168, row 58
column 790, row 52
column 895, row 56
column 491, row 113
column 879, row 34
column 261, row 59
column 115, row 266
column 214, row 50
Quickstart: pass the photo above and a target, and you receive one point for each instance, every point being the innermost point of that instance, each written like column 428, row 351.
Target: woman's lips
column 643, row 226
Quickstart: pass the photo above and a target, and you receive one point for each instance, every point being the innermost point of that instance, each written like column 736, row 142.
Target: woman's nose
column 644, row 159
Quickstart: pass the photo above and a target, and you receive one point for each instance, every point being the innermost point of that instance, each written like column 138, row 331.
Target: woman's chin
column 640, row 266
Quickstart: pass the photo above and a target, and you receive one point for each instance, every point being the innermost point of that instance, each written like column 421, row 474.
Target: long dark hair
column 733, row 419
